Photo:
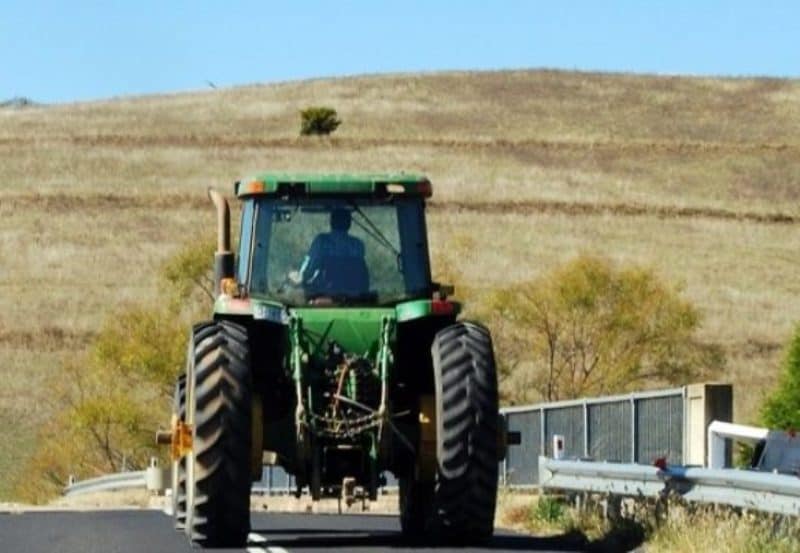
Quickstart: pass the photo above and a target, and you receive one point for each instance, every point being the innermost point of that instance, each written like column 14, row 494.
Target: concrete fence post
column 705, row 403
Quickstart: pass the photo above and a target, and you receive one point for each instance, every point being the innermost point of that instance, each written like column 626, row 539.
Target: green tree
column 109, row 409
column 590, row 328
column 318, row 120
column 188, row 274
column 781, row 410
column 114, row 397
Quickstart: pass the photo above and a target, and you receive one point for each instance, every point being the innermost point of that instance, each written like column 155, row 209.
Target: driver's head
column 341, row 219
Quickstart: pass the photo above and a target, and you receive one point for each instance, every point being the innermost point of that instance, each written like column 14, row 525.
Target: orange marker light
column 254, row 187
column 229, row 287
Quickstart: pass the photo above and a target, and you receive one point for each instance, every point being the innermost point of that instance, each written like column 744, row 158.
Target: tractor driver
column 334, row 265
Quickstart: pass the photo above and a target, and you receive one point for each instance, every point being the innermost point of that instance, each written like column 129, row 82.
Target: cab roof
column 302, row 184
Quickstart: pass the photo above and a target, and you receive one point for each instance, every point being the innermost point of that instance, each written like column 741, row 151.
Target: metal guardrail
column 154, row 479
column 762, row 491
column 147, row 479
column 769, row 492
column 275, row 481
column 119, row 481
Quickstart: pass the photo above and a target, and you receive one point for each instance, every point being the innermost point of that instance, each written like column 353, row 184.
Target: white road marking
column 252, row 537
column 264, row 547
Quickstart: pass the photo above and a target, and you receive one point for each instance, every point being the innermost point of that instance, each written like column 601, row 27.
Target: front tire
column 218, row 505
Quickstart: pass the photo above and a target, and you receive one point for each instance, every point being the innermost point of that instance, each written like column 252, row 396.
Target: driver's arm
column 309, row 269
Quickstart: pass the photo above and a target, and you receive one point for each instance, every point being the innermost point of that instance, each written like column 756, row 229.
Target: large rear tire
column 179, row 466
column 465, row 384
column 218, row 501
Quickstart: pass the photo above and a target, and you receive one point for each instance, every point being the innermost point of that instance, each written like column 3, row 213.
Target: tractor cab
column 339, row 245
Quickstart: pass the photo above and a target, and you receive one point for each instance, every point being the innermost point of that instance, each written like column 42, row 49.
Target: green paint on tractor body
column 355, row 330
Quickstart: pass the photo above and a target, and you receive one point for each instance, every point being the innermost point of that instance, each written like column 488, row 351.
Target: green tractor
column 332, row 354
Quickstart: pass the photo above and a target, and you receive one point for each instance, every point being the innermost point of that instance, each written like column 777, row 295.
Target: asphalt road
column 151, row 531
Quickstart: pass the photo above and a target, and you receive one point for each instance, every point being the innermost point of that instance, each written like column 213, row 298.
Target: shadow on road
column 344, row 540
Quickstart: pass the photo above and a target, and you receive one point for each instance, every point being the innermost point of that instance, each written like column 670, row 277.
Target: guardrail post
column 613, row 508
column 544, row 473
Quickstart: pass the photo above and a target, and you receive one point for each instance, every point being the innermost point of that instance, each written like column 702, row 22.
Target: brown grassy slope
column 568, row 136
column 698, row 178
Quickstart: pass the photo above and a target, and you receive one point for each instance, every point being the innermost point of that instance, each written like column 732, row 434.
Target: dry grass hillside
column 698, row 178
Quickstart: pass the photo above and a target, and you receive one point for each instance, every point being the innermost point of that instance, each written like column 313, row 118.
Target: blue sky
column 57, row 51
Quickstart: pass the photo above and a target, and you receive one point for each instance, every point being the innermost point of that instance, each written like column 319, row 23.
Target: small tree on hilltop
column 318, row 120
column 781, row 410
column 589, row 328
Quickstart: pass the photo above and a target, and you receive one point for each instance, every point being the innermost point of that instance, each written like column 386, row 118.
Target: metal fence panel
column 391, row 481
column 659, row 429
column 567, row 421
column 276, row 480
column 521, row 465
column 610, row 432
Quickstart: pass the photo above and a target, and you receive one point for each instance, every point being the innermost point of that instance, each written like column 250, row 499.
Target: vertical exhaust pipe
column 223, row 257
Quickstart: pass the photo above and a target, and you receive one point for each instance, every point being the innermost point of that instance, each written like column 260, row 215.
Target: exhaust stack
column 223, row 257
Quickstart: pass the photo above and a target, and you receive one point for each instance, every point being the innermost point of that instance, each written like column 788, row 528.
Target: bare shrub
column 590, row 328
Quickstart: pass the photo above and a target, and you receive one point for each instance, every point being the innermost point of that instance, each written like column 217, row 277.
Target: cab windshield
column 323, row 251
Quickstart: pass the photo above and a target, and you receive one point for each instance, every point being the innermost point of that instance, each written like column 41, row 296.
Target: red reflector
column 441, row 307
column 424, row 188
